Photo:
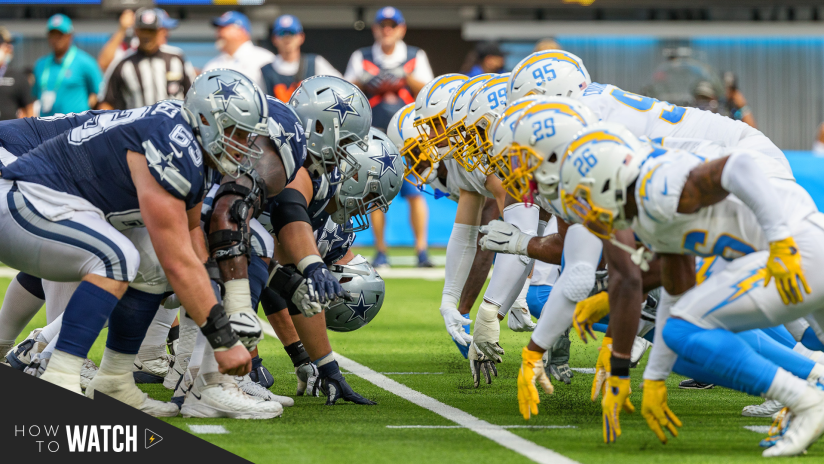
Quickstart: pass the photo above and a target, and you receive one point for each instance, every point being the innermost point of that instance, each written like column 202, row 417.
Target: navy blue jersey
column 287, row 137
column 19, row 136
column 322, row 194
column 89, row 161
column 333, row 242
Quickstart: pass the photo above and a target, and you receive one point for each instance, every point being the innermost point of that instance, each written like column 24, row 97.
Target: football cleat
column 20, row 356
column 184, row 384
column 152, row 364
column 252, row 388
column 765, row 409
column 218, row 395
column 692, row 384
column 87, row 373
column 639, row 347
column 122, row 388
column 781, row 422
column 806, row 426
column 260, row 374
column 176, row 370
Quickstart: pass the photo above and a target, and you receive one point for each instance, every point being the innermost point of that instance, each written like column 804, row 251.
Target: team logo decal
column 359, row 309
column 342, row 106
column 227, row 92
column 387, row 161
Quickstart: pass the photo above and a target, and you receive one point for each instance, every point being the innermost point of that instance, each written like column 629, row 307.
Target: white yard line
column 462, row 427
column 495, row 433
column 207, row 429
column 584, row 370
column 758, row 428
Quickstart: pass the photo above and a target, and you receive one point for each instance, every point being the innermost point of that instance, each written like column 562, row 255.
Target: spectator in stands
column 547, row 44
column 15, row 90
column 490, row 59
column 282, row 76
column 391, row 74
column 67, row 80
column 234, row 40
column 152, row 72
column 736, row 103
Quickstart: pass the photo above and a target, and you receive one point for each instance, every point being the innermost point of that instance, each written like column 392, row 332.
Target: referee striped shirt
column 141, row 79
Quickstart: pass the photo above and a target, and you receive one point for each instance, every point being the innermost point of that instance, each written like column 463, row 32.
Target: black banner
column 40, row 421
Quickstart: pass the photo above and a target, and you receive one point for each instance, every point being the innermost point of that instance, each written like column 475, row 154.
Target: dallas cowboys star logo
column 386, row 159
column 164, row 165
column 359, row 309
column 279, row 134
column 329, row 237
column 226, row 92
column 342, row 106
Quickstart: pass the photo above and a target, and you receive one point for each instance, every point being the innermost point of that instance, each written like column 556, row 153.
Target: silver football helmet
column 223, row 99
column 336, row 115
column 368, row 290
column 371, row 183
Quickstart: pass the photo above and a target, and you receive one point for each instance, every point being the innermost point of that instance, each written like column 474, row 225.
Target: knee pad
column 580, row 278
column 150, row 276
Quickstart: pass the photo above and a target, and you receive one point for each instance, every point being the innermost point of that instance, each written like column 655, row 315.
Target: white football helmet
column 485, row 108
column 430, row 120
column 597, row 167
column 456, row 110
column 501, row 134
column 549, row 73
column 403, row 134
column 541, row 133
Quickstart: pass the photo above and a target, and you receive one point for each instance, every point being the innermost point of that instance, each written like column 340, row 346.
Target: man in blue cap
column 67, row 80
column 283, row 75
column 234, row 39
column 391, row 74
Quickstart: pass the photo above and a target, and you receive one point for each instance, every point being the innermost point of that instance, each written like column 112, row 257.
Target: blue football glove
column 334, row 386
column 324, row 287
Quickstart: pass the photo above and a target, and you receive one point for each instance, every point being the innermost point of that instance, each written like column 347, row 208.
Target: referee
column 151, row 73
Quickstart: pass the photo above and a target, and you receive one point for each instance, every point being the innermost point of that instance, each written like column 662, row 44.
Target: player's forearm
column 625, row 295
column 548, row 249
column 661, row 359
column 189, row 280
column 297, row 241
column 476, row 279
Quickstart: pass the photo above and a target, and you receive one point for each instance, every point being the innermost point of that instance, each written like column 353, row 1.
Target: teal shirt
column 82, row 78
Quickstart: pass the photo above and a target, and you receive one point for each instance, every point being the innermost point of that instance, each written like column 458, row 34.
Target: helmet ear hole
column 203, row 120
column 343, row 280
column 606, row 187
column 553, row 158
column 318, row 127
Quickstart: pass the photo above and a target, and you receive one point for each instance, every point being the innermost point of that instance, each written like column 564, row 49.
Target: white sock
column 159, row 329
column 49, row 349
column 816, row 356
column 326, row 359
column 58, row 295
column 786, row 388
column 209, row 363
column 198, row 352
column 816, row 373
column 50, row 332
column 188, row 338
column 19, row 307
column 115, row 363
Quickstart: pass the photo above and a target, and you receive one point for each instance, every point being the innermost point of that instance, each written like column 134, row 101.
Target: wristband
column 297, row 353
column 218, row 331
column 620, row 366
column 308, row 261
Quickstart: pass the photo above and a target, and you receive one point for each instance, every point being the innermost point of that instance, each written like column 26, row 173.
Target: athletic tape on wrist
column 307, row 261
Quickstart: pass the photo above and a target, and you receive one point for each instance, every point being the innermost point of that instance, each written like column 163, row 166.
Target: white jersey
column 556, row 208
column 458, row 177
column 728, row 228
column 546, row 273
column 454, row 193
column 645, row 116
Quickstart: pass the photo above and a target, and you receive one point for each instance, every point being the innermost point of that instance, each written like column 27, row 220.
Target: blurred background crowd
column 763, row 66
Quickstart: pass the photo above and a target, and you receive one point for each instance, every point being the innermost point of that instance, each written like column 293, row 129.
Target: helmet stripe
column 597, row 136
column 548, row 55
column 557, row 107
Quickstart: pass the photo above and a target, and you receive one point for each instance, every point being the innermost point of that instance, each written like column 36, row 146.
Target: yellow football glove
column 616, row 398
column 784, row 264
column 532, row 369
column 655, row 410
column 588, row 312
column 602, row 368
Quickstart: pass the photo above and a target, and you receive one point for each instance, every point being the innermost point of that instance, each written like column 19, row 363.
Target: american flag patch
column 582, row 85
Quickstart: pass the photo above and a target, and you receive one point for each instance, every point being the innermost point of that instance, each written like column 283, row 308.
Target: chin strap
column 641, row 256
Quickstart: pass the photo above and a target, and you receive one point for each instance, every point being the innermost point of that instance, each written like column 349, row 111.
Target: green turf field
column 408, row 336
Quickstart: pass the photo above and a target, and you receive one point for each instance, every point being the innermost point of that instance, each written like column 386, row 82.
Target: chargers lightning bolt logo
column 740, row 288
column 342, row 106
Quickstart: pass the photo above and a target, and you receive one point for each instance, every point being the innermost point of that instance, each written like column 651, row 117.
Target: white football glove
column 307, row 374
column 502, row 237
column 519, row 318
column 487, row 332
column 455, row 323
column 247, row 327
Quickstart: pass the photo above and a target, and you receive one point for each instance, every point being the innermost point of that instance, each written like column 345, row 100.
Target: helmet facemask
column 358, row 207
column 337, row 156
column 479, row 145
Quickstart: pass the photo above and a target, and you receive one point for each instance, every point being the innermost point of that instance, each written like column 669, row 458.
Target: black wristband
column 218, row 331
column 620, row 366
column 297, row 353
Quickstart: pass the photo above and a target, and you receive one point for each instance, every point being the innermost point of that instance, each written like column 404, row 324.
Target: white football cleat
column 152, row 364
column 639, row 347
column 806, row 426
column 122, row 388
column 176, row 370
column 21, row 355
column 64, row 371
column 217, row 395
column 87, row 373
column 184, row 384
column 253, row 388
column 766, row 409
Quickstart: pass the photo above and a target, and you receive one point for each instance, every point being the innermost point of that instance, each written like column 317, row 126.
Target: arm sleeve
column 460, row 253
column 324, row 67
column 661, row 358
column 423, row 71
column 743, row 178
column 355, row 67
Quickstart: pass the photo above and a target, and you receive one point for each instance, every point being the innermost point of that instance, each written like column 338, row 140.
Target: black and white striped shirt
column 140, row 79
